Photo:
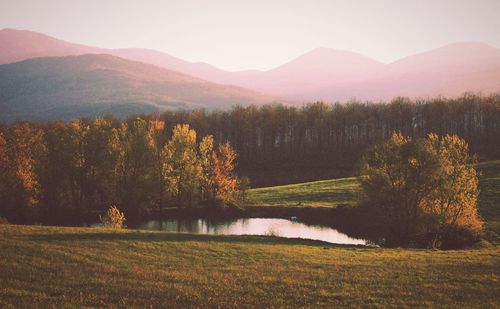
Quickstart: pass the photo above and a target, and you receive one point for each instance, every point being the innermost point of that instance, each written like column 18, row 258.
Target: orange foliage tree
column 225, row 182
column 423, row 191
column 20, row 148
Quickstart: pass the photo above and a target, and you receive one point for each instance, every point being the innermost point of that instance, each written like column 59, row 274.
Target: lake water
column 254, row 226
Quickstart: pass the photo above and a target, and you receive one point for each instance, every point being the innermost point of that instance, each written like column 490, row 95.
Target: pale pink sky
column 260, row 34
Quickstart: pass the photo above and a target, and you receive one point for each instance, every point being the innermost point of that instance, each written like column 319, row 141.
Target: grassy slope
column 325, row 193
column 489, row 198
column 331, row 193
column 50, row 266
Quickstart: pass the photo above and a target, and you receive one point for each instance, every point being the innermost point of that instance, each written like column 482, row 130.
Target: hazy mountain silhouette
column 88, row 85
column 318, row 69
column 447, row 71
column 322, row 74
column 20, row 45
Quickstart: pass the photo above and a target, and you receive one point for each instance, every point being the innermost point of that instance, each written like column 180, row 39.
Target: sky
column 259, row 34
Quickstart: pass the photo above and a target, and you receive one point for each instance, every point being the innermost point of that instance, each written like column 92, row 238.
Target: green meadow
column 324, row 193
column 489, row 197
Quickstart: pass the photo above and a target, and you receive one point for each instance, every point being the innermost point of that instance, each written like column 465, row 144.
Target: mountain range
column 99, row 84
column 144, row 80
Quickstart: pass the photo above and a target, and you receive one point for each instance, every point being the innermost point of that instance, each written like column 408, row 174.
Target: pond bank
column 323, row 215
column 280, row 227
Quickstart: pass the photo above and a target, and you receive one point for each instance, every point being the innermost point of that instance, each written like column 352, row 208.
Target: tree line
column 280, row 144
column 70, row 173
column 80, row 168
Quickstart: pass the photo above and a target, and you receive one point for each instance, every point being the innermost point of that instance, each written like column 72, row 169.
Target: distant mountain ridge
column 18, row 45
column 322, row 74
column 100, row 84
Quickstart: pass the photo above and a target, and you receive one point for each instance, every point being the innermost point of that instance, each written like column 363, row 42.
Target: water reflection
column 254, row 226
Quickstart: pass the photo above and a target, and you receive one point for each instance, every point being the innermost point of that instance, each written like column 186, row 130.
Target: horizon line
column 253, row 69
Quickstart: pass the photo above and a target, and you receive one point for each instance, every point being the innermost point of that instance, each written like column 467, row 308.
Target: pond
column 254, row 226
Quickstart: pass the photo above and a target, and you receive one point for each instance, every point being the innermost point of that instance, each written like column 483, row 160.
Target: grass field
column 489, row 198
column 79, row 267
column 324, row 193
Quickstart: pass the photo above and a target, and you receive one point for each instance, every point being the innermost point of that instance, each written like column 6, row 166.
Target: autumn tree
column 76, row 145
column 398, row 175
column 82, row 159
column 225, row 181
column 206, row 149
column 182, row 168
column 5, row 176
column 102, row 156
column 135, row 168
column 218, row 182
column 157, row 139
column 20, row 150
column 413, row 189
column 58, row 177
column 453, row 202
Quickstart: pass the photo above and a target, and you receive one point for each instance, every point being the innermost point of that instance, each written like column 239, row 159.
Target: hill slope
column 323, row 193
column 88, row 85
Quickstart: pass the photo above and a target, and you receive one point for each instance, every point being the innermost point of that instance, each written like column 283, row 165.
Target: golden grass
column 85, row 267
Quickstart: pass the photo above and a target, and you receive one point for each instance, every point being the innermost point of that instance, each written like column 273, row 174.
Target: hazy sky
column 260, row 34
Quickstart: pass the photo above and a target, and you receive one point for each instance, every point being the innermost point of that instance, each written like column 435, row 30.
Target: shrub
column 113, row 218
column 448, row 237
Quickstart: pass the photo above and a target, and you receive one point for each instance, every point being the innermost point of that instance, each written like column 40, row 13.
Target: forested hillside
column 62, row 88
